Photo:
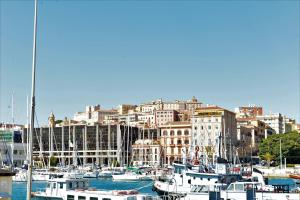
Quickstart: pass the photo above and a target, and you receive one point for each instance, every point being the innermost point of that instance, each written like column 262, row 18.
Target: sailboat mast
column 29, row 177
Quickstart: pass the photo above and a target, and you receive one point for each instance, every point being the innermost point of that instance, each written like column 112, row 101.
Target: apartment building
column 164, row 116
column 146, row 152
column 175, row 141
column 275, row 121
column 250, row 111
column 214, row 129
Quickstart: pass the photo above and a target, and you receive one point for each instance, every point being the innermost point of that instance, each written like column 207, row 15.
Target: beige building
column 215, row 132
column 250, row 132
column 146, row 152
column 124, row 109
column 175, row 141
column 164, row 116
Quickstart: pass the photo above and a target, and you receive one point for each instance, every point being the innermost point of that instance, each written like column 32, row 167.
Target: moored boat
column 294, row 176
column 68, row 188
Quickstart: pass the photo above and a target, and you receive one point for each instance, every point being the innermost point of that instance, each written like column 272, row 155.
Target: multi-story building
column 275, row 121
column 123, row 109
column 250, row 111
column 12, row 150
column 101, row 144
column 215, row 132
column 93, row 115
column 164, row 116
column 250, row 132
column 147, row 119
column 175, row 141
column 146, row 152
column 289, row 124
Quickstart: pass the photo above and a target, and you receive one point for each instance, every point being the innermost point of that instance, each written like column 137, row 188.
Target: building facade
column 146, row 152
column 275, row 121
column 250, row 111
column 12, row 150
column 81, row 144
column 175, row 142
column 164, row 116
column 215, row 132
column 93, row 115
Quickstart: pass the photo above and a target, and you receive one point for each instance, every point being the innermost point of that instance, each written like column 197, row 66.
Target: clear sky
column 229, row 53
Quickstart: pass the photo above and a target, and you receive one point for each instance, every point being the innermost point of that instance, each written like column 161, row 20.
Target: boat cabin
column 57, row 186
column 242, row 186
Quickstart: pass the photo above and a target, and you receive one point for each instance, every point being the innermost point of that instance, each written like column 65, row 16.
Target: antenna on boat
column 29, row 177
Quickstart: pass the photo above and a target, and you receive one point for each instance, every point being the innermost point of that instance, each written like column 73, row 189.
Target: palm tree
column 268, row 157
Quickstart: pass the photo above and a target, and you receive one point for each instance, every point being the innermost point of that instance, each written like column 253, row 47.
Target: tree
column 268, row 157
column 53, row 161
column 290, row 147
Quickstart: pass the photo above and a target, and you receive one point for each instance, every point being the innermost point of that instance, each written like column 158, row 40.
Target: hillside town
column 156, row 133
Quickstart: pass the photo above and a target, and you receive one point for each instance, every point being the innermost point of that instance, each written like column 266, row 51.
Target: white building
column 275, row 121
column 215, row 132
column 93, row 115
column 12, row 150
column 147, row 119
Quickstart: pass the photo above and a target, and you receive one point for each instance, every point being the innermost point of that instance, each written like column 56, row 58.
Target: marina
column 86, row 52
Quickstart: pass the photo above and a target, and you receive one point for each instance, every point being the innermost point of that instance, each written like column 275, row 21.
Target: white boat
column 183, row 179
column 131, row 176
column 20, row 176
column 41, row 175
column 242, row 191
column 91, row 174
column 67, row 189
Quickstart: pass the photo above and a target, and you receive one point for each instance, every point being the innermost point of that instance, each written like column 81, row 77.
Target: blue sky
column 229, row 53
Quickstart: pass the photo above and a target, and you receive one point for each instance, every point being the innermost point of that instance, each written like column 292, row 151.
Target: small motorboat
column 294, row 176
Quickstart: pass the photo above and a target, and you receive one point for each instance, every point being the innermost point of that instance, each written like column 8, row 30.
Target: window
column 93, row 198
column 70, row 197
column 186, row 132
column 172, row 133
column 179, row 132
column 165, row 133
column 106, row 199
column 61, row 185
column 186, row 141
column 155, row 151
column 54, row 185
column 178, row 141
column 81, row 197
column 209, row 127
column 70, row 185
column 201, row 127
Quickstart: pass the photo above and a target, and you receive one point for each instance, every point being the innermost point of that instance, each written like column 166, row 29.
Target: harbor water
column 19, row 189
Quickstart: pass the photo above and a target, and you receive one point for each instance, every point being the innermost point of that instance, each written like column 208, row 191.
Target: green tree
column 290, row 147
column 53, row 161
column 268, row 157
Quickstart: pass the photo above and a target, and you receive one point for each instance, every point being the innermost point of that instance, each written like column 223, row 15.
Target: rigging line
column 143, row 186
column 55, row 143
column 36, row 134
